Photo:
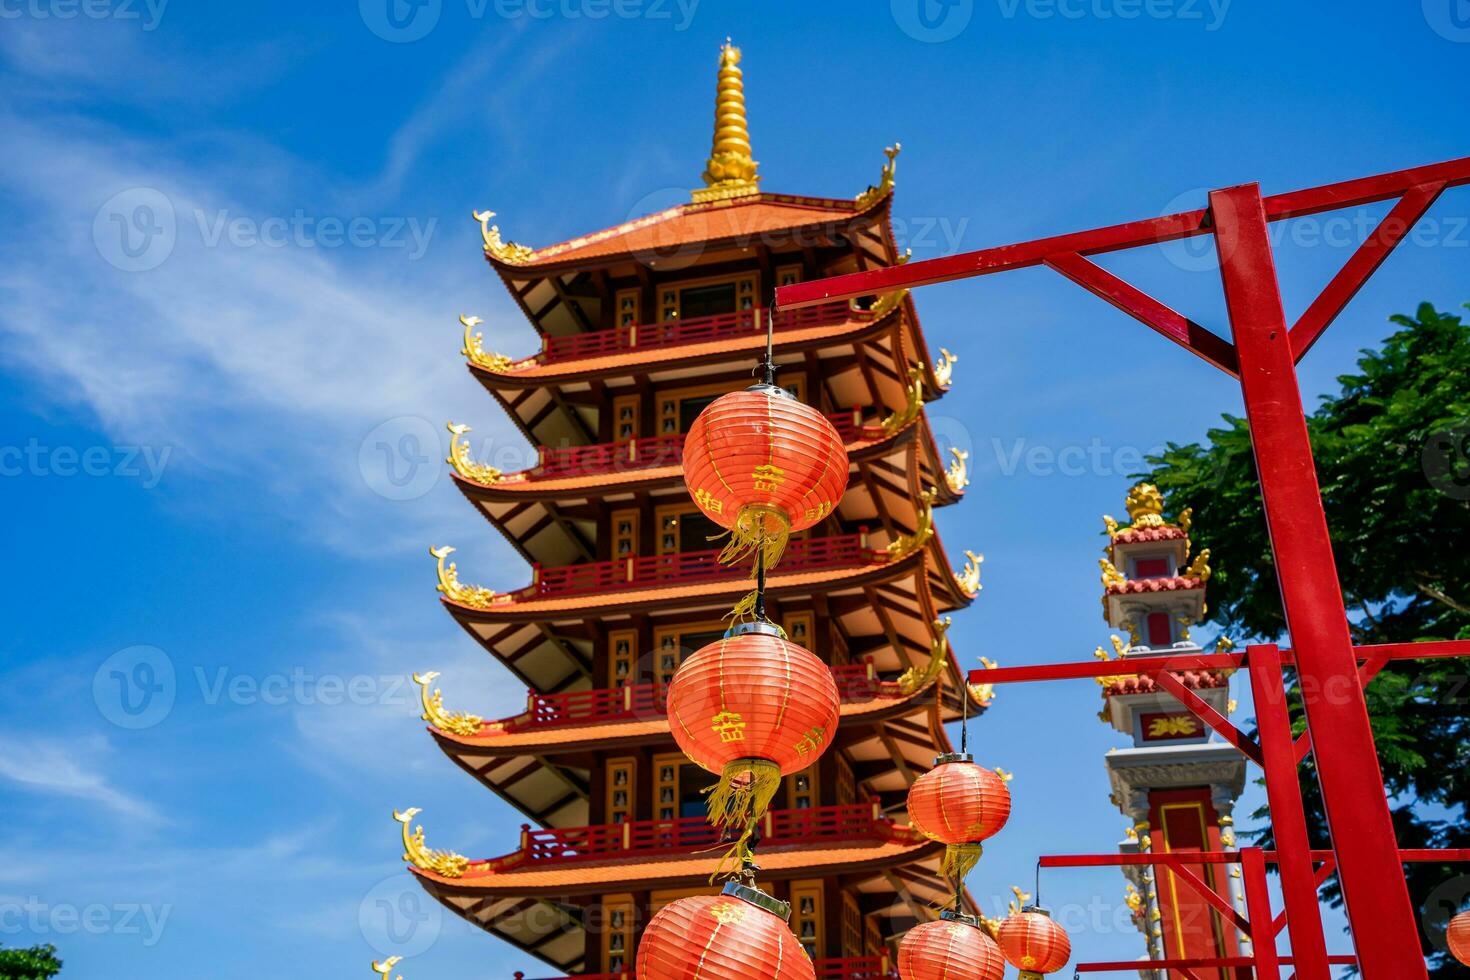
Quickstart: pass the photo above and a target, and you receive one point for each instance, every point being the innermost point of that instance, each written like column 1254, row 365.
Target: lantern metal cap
column 763, row 627
column 758, row 898
column 1037, row 909
column 775, row 391
column 948, row 757
column 950, row 915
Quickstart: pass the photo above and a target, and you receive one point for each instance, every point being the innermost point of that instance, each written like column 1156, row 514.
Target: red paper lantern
column 959, row 804
column 739, row 935
column 763, row 465
column 951, row 948
column 1033, row 943
column 751, row 708
column 1458, row 935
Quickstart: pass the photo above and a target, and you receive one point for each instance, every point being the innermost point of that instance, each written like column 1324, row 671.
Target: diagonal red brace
column 1203, row 710
column 1147, row 310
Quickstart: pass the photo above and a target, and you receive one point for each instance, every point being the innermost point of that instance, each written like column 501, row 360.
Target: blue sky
column 192, row 430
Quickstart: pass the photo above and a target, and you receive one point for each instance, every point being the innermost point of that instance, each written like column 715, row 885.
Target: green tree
column 1392, row 448
column 35, row 963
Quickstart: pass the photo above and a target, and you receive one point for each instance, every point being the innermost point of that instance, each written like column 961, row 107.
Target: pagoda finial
column 730, row 171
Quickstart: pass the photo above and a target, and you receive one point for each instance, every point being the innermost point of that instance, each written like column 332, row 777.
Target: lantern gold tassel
column 738, row 802
column 960, row 860
column 744, row 610
column 758, row 528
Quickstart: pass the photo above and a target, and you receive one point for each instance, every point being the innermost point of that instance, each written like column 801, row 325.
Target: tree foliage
column 1392, row 450
column 35, row 963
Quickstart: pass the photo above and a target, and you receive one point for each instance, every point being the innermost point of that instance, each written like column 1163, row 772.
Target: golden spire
column 729, row 172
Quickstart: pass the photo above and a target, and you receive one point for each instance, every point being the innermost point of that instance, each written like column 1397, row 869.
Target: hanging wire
column 964, row 717
column 1036, row 895
column 770, row 345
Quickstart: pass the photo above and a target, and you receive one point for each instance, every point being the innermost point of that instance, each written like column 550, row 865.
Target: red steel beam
column 1147, row 310
column 1219, row 962
column 1288, row 818
column 1132, row 234
column 1373, row 886
column 1151, row 665
column 1204, row 711
column 1258, row 908
column 1364, row 262
column 1407, row 855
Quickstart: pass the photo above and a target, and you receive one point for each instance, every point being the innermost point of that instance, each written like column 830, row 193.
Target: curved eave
column 600, row 736
column 588, row 879
column 515, row 487
column 828, row 214
column 716, row 594
column 607, row 366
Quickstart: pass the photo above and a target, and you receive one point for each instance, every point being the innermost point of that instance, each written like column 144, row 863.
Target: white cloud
column 65, row 768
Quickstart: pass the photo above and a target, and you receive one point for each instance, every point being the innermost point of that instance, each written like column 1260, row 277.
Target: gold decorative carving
column 969, row 578
column 914, row 680
column 459, row 723
column 474, row 596
column 906, row 544
column 885, row 179
column 1110, row 574
column 912, row 407
column 464, row 464
column 944, row 368
column 958, row 474
column 729, row 172
column 386, row 967
column 887, row 303
column 507, row 252
column 474, row 348
column 446, row 864
column 984, row 694
column 1200, row 567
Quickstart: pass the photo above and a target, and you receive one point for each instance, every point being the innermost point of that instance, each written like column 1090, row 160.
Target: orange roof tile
column 1130, row 535
column 686, row 224
column 1195, row 680
column 1178, row 583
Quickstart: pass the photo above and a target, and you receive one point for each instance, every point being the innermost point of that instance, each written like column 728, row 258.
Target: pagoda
column 1175, row 784
column 642, row 325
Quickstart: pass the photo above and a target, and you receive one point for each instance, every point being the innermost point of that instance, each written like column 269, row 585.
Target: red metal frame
column 1263, row 356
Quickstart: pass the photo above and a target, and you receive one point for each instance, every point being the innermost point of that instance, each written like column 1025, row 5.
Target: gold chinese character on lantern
column 729, row 725
column 818, row 512
column 811, row 742
column 768, row 478
column 709, row 501
column 726, row 913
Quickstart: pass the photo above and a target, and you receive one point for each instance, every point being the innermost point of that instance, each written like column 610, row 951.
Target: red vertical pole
column 1288, row 821
column 1374, row 891
column 1258, row 911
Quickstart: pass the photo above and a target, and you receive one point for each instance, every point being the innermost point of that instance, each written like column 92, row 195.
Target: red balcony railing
column 856, row 683
column 855, row 821
column 686, row 567
column 827, row 968
column 638, row 454
column 671, row 333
